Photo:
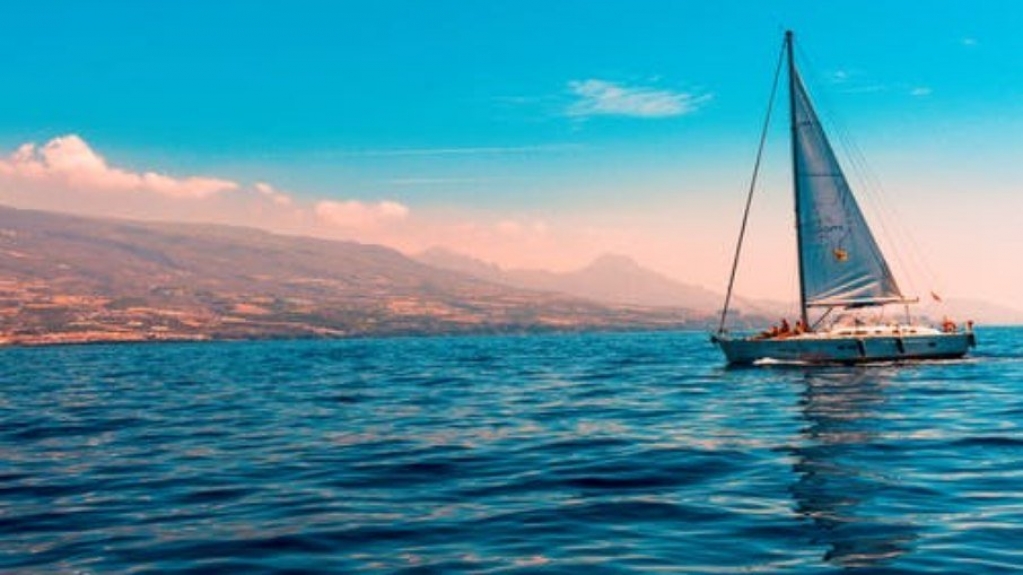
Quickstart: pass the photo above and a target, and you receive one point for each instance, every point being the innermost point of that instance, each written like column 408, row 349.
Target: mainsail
column 841, row 263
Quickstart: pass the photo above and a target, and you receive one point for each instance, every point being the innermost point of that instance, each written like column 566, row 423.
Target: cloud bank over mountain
column 68, row 174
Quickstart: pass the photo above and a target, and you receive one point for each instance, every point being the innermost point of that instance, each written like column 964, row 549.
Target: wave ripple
column 606, row 453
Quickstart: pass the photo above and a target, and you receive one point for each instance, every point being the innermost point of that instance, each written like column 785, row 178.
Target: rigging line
column 874, row 194
column 752, row 187
column 914, row 262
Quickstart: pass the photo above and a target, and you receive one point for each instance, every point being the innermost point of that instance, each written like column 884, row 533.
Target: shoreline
column 93, row 338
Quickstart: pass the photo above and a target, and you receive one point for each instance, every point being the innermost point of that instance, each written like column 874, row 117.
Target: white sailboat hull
column 829, row 348
column 841, row 266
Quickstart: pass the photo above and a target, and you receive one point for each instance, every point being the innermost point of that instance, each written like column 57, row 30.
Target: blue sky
column 600, row 117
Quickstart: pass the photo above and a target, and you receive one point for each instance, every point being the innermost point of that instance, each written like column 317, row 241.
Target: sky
column 527, row 133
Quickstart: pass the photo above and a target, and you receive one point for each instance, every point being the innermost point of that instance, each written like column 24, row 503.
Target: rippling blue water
column 554, row 454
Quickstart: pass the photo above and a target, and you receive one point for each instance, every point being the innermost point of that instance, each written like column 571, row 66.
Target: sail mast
column 795, row 175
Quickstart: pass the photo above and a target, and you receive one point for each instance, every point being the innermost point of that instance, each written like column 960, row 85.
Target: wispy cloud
column 604, row 98
column 466, row 151
column 865, row 89
column 840, row 76
column 854, row 82
column 437, row 181
column 857, row 82
column 969, row 42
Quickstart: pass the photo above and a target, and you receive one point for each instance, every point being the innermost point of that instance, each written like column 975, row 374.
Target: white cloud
column 358, row 215
column 69, row 162
column 920, row 91
column 274, row 195
column 533, row 228
column 600, row 97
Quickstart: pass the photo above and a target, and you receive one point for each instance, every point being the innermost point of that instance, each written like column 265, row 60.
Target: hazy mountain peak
column 441, row 252
column 614, row 262
column 610, row 278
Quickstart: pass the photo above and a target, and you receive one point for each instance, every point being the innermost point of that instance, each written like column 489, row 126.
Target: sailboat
column 842, row 271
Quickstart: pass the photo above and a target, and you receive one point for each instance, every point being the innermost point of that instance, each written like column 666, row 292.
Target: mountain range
column 74, row 279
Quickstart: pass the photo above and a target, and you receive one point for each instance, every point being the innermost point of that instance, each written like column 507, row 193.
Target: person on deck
column 800, row 327
column 948, row 326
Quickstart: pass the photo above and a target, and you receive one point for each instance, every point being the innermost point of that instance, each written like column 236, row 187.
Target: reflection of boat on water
column 846, row 485
column 841, row 267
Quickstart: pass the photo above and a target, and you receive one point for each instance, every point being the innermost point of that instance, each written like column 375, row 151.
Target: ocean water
column 596, row 453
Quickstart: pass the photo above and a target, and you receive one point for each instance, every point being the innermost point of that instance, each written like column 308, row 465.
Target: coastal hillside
column 74, row 279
